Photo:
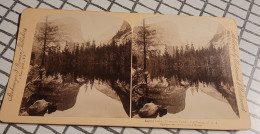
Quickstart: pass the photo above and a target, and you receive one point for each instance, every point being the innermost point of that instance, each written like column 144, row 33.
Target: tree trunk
column 144, row 40
column 43, row 50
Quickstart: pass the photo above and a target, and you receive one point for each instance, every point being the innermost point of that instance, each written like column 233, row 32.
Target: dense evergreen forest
column 208, row 65
column 203, row 65
column 54, row 55
column 105, row 62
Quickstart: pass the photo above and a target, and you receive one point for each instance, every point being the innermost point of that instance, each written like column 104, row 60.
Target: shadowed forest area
column 105, row 63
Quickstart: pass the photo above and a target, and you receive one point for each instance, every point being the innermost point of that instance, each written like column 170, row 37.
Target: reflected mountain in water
column 97, row 100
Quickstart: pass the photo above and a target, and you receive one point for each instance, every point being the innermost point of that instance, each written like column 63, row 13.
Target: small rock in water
column 162, row 112
column 51, row 108
column 185, row 84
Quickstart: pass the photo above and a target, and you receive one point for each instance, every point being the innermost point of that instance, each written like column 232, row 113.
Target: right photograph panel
column 181, row 69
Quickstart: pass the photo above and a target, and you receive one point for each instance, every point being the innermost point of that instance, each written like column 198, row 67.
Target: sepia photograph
column 181, row 69
column 126, row 70
column 80, row 66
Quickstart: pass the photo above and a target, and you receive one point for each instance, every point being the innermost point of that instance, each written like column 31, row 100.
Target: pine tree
column 47, row 34
column 144, row 38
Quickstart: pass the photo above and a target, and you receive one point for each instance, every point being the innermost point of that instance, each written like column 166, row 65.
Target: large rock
column 150, row 110
column 38, row 108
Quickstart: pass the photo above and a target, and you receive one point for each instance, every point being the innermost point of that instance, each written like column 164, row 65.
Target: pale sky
column 96, row 27
column 101, row 28
column 187, row 29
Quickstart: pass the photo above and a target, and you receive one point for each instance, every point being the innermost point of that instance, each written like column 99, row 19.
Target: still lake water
column 202, row 103
column 91, row 102
column 199, row 105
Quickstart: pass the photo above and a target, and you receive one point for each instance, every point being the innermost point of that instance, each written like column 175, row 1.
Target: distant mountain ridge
column 220, row 38
column 123, row 34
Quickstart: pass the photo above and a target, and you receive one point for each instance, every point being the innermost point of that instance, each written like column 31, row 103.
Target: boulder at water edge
column 149, row 110
column 38, row 108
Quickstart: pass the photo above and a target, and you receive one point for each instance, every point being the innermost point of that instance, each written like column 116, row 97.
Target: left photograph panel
column 80, row 67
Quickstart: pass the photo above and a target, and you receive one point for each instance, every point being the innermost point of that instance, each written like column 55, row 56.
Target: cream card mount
column 126, row 69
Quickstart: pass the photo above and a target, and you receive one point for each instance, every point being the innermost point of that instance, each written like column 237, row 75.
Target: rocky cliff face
column 220, row 39
column 123, row 34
